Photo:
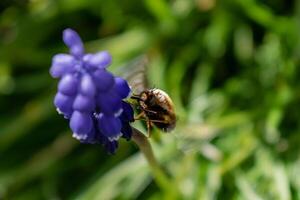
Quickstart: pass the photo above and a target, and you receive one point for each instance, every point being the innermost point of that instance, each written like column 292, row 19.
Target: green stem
column 159, row 175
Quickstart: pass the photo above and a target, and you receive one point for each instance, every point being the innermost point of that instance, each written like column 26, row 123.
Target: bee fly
column 155, row 105
column 156, row 108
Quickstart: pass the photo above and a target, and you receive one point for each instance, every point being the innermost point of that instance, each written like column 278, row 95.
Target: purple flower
column 91, row 97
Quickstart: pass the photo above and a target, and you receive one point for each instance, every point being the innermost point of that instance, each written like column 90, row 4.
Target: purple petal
column 68, row 85
column 126, row 130
column 111, row 146
column 99, row 60
column 86, row 59
column 87, row 86
column 90, row 138
column 61, row 65
column 122, row 87
column 110, row 127
column 128, row 113
column 109, row 103
column 84, row 103
column 64, row 104
column 81, row 124
column 103, row 80
column 73, row 41
column 71, row 37
column 77, row 51
column 100, row 137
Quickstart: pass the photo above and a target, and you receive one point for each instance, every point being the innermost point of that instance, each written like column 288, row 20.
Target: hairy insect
column 155, row 105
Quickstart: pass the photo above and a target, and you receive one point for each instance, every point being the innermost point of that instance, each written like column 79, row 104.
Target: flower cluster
column 90, row 96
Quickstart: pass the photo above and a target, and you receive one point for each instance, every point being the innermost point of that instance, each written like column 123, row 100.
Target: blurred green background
column 231, row 67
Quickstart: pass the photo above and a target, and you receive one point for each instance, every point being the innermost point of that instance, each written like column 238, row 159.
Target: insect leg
column 136, row 97
column 140, row 116
column 148, row 128
column 151, row 111
column 159, row 121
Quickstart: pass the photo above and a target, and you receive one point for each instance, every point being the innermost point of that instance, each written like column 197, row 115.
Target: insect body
column 157, row 108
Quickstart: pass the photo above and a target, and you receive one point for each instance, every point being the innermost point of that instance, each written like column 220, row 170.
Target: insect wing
column 135, row 73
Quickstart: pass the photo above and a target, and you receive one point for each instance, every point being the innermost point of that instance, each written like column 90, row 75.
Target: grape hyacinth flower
column 91, row 97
